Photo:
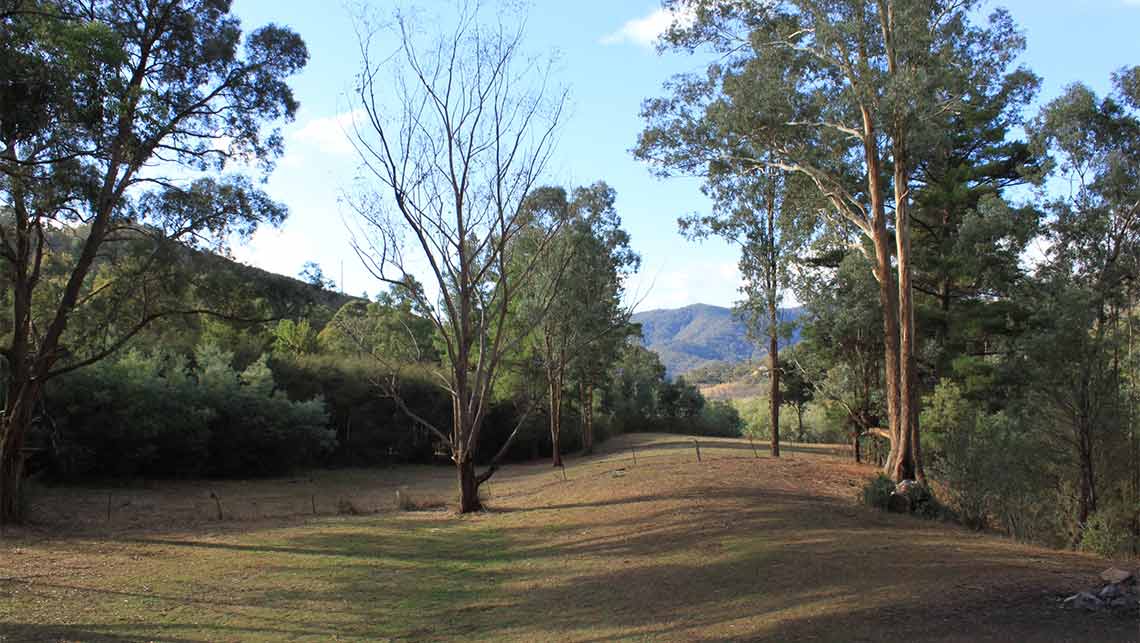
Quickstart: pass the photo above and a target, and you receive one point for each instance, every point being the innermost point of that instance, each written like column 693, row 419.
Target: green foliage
column 877, row 492
column 679, row 399
column 153, row 416
column 371, row 428
column 138, row 416
column 1108, row 533
column 294, row 337
column 388, row 330
column 924, row 504
column 720, row 419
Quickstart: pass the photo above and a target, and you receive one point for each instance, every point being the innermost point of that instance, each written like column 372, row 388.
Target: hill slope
column 700, row 334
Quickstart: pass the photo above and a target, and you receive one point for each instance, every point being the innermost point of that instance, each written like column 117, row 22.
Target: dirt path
column 734, row 547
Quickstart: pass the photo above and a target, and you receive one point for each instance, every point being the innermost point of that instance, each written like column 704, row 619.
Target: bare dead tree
column 456, row 130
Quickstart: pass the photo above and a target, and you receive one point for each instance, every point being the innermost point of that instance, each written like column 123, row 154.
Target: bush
column 974, row 457
column 924, row 504
column 877, row 492
column 370, row 428
column 719, row 419
column 138, row 416
column 154, row 416
column 1107, row 534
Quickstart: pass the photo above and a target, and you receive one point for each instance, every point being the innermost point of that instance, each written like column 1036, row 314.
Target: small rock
column 1117, row 576
column 1110, row 591
column 1123, row 602
column 1083, row 601
column 905, row 486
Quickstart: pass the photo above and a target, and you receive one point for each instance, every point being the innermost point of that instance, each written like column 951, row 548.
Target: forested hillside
column 700, row 334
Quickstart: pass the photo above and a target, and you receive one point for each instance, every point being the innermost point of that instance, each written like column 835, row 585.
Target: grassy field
column 732, row 547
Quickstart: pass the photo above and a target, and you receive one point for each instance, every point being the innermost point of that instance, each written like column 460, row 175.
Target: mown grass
column 369, row 578
column 732, row 547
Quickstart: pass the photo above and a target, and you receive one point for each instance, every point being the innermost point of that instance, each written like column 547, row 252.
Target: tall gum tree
column 107, row 110
column 764, row 213
column 839, row 93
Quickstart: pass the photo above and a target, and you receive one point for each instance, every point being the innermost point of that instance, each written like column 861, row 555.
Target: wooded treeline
column 131, row 140
column 967, row 261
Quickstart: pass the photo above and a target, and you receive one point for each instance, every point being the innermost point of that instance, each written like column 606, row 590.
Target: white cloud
column 695, row 282
column 280, row 250
column 330, row 134
column 645, row 31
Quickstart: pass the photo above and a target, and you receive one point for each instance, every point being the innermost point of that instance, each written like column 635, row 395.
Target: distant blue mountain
column 698, row 335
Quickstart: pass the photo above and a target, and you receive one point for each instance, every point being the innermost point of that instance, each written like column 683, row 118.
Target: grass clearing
column 732, row 547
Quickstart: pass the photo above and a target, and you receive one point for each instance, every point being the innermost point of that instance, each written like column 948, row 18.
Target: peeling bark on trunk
column 906, row 463
column 884, row 274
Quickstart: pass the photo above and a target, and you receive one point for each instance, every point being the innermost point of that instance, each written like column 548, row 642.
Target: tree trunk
column 1086, row 499
column 586, row 402
column 800, row 423
column 468, row 486
column 907, row 463
column 888, row 295
column 774, row 389
column 555, row 420
column 855, row 447
column 888, row 301
column 11, row 473
column 12, row 434
column 773, row 320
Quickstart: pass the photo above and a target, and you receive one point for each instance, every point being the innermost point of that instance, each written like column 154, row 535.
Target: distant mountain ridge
column 701, row 334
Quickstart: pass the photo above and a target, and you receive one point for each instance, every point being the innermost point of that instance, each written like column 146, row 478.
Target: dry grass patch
column 732, row 547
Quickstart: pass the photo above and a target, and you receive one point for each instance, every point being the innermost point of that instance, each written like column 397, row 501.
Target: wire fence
column 178, row 504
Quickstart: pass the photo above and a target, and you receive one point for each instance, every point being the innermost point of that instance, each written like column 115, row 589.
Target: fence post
column 218, row 502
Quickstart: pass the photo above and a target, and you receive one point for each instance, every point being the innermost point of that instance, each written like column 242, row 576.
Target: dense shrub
column 370, row 427
column 1107, row 533
column 877, row 492
column 138, row 416
column 720, row 419
column 156, row 416
column 373, row 429
column 923, row 503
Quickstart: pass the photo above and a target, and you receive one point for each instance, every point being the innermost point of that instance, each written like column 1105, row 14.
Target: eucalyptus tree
column 796, row 390
column 764, row 213
column 840, row 92
column 110, row 113
column 457, row 131
column 597, row 277
column 1091, row 268
column 586, row 319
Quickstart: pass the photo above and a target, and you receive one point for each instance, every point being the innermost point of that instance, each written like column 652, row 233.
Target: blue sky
column 608, row 63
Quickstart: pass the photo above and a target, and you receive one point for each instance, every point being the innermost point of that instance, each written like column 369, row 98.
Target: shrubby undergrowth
column 159, row 415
